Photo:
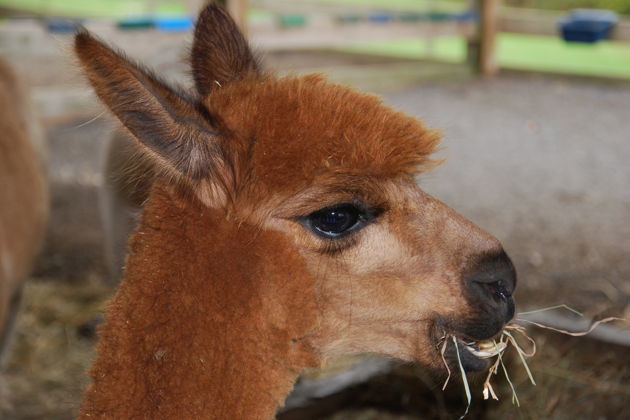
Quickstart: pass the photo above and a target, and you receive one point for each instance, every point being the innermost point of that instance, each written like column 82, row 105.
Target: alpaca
column 23, row 194
column 284, row 226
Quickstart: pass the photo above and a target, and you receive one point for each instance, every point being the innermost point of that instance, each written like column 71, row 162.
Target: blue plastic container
column 467, row 16
column 587, row 25
column 62, row 26
column 381, row 17
column 174, row 23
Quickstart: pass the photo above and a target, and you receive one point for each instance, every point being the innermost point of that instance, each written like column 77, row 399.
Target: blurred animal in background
column 284, row 226
column 24, row 201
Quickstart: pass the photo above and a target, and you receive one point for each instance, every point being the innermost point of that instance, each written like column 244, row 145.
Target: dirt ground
column 541, row 162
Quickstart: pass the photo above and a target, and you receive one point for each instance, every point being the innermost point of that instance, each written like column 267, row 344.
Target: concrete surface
column 543, row 164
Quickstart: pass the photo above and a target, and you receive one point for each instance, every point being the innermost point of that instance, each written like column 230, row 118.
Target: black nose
column 493, row 280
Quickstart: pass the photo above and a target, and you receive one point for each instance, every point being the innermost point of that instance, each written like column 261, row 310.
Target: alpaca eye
column 337, row 221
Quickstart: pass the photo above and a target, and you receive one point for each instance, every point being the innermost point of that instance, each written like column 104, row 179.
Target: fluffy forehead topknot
column 302, row 125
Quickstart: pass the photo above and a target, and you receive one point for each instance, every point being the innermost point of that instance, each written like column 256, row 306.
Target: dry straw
column 505, row 340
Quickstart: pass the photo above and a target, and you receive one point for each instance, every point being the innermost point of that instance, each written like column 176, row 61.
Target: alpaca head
column 330, row 169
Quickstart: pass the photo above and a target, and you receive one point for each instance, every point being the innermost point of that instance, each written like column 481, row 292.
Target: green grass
column 516, row 51
column 452, row 49
column 551, row 54
column 92, row 8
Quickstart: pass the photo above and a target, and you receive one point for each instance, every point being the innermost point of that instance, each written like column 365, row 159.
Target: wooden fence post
column 488, row 24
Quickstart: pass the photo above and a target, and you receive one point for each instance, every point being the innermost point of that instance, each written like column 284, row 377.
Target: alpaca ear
column 220, row 52
column 171, row 126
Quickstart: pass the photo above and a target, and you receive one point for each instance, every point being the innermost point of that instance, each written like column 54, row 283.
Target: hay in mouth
column 487, row 349
column 496, row 348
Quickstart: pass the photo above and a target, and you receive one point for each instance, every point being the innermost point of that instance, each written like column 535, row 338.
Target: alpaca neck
column 205, row 323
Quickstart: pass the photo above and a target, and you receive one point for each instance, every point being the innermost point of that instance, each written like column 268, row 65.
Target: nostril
column 490, row 283
column 495, row 274
column 495, row 289
column 499, row 293
column 499, row 289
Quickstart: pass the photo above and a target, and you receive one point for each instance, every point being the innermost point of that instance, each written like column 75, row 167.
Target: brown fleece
column 23, row 191
column 205, row 323
column 298, row 130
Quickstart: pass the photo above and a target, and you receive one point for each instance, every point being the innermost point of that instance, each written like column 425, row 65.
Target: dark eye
column 334, row 222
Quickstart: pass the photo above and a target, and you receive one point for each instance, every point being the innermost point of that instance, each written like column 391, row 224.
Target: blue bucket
column 62, row 26
column 587, row 25
column 381, row 17
column 174, row 23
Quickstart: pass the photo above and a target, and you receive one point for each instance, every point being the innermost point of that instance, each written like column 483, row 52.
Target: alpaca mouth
column 484, row 349
column 472, row 355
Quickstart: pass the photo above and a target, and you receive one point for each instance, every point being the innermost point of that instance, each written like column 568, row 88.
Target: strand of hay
column 551, row 308
column 574, row 334
column 507, row 339
column 464, row 379
column 448, row 369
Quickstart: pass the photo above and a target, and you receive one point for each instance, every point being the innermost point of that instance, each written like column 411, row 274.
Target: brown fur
column 221, row 55
column 188, row 320
column 23, row 192
column 227, row 296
